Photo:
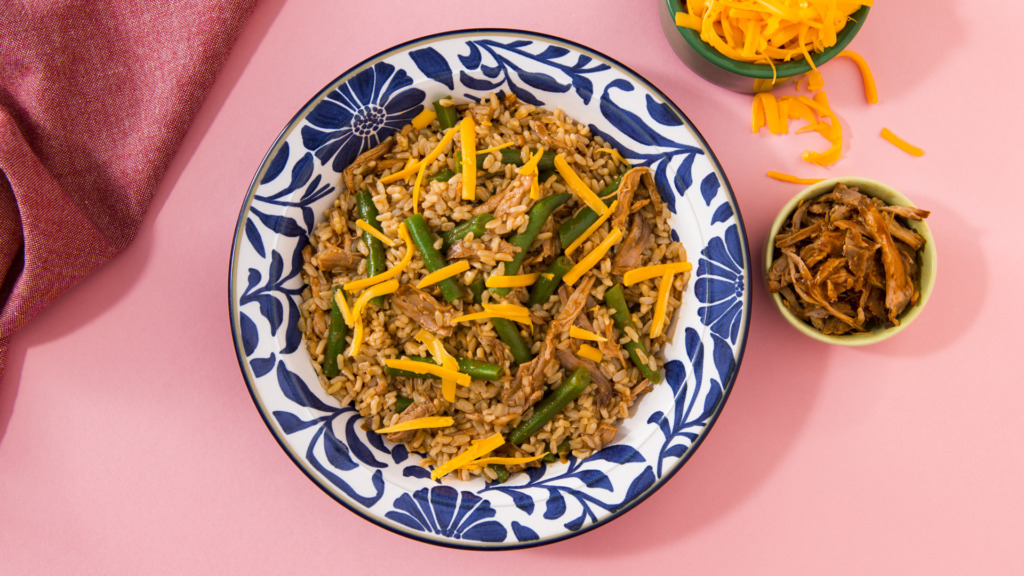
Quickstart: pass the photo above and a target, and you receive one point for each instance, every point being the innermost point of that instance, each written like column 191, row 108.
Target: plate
column 296, row 183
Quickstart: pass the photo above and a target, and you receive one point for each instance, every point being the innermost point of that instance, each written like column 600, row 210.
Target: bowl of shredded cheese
column 753, row 46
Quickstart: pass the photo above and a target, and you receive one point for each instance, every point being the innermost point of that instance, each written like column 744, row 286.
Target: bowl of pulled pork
column 489, row 289
column 850, row 261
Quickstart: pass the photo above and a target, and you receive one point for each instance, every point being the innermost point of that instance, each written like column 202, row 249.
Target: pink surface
column 129, row 444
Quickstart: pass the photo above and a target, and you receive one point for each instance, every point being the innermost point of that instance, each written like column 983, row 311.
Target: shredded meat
column 330, row 258
column 630, row 182
column 420, row 410
column 471, row 250
column 426, row 311
column 348, row 174
column 845, row 263
column 630, row 253
column 501, row 203
column 571, row 361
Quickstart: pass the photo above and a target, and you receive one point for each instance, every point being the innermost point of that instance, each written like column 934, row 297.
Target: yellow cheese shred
column 870, row 90
column 467, row 129
column 782, row 177
column 591, row 260
column 614, row 154
column 477, row 449
column 428, row 368
column 418, row 424
column 366, row 227
column 416, row 189
column 901, row 143
column 346, row 312
column 442, row 357
column 590, row 353
column 513, row 281
column 581, row 334
column 496, row 148
column 661, row 304
column 357, row 285
column 591, row 229
column 423, row 119
column 414, row 166
column 357, row 311
column 578, row 186
column 513, row 312
column 530, row 168
column 443, row 273
column 503, row 460
column 647, row 272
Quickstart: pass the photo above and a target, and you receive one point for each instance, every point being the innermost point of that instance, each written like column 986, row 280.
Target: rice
column 584, row 425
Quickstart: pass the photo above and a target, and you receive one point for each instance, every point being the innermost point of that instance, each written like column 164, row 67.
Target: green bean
column 501, row 471
column 475, row 368
column 447, row 116
column 376, row 260
column 537, row 216
column 616, row 300
column 477, row 225
column 514, row 156
column 551, row 405
column 442, row 176
column 336, row 333
column 505, row 329
column 571, row 229
column 545, row 287
column 476, row 288
column 401, row 403
column 423, row 238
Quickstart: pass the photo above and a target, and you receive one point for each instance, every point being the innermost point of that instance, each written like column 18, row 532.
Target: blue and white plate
column 297, row 181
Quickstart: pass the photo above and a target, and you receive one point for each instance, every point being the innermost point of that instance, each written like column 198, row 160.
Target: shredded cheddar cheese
column 418, row 424
column 442, row 357
column 793, row 179
column 513, row 312
column 581, row 334
column 360, row 304
column 503, row 460
column 530, row 168
column 513, row 281
column 346, row 312
column 444, row 273
column 467, row 130
column 591, row 229
column 423, row 119
column 428, row 368
column 591, row 260
column 357, row 285
column 414, row 166
column 870, row 90
column 365, row 227
column 590, row 353
column 477, row 449
column 495, row 148
column 661, row 304
column 901, row 143
column 578, row 186
column 614, row 154
column 647, row 272
column 416, row 189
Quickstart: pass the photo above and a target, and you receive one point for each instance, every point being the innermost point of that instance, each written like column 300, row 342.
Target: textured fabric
column 95, row 98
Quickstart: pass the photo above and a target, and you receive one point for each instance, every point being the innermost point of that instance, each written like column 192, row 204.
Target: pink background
column 129, row 444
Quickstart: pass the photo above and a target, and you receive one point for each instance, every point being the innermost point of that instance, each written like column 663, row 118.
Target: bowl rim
column 928, row 257
column 763, row 71
column 304, row 110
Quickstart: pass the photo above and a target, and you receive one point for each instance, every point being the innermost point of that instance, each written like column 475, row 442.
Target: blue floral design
column 720, row 285
column 444, row 511
column 361, row 113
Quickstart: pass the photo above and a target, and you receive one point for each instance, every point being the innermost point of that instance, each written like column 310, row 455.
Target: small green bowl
column 927, row 259
column 744, row 77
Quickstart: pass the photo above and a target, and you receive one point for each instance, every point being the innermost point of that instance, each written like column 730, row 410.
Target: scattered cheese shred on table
column 901, row 143
column 870, row 90
column 513, row 281
column 414, row 166
column 581, row 334
column 418, row 424
column 578, row 186
column 366, row 227
column 793, row 179
column 357, row 285
column 477, row 449
column 590, row 353
column 448, row 271
column 423, row 119
column 591, row 229
column 591, row 260
column 647, row 272
column 467, row 130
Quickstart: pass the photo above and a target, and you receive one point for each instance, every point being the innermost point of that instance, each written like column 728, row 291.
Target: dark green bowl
column 745, row 77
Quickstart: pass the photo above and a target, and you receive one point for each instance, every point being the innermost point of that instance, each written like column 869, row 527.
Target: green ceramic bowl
column 744, row 77
column 926, row 259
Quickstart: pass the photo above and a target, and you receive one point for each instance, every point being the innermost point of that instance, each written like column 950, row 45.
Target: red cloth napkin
column 95, row 98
